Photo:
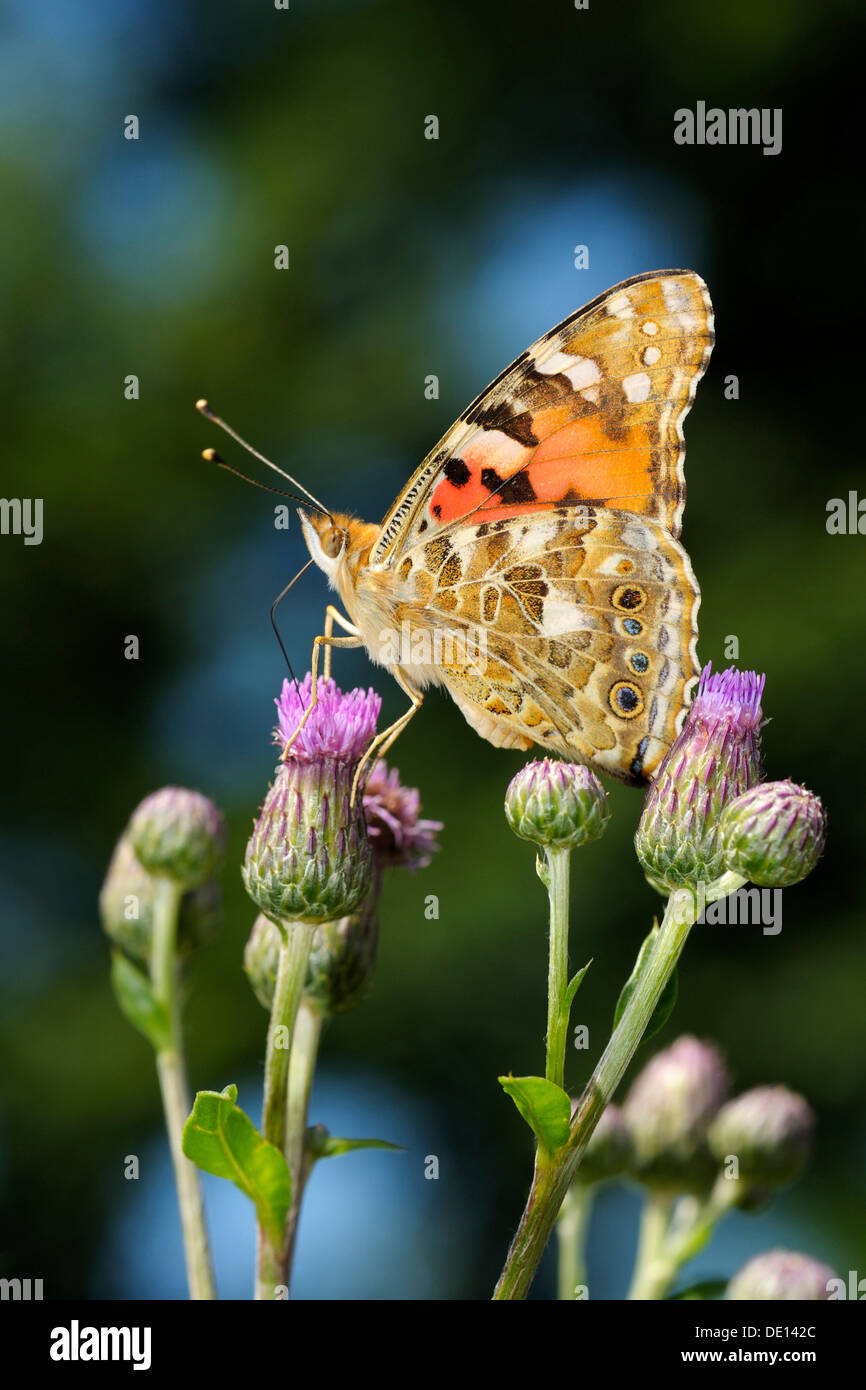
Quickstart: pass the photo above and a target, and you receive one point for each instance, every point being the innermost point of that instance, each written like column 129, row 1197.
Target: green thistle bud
column 126, row 908
column 781, row 1275
column 556, row 805
column 609, row 1151
column 342, row 961
column 769, row 1130
column 715, row 758
column 341, row 966
column 309, row 858
column 668, row 1111
column 178, row 834
column 774, row 833
column 262, row 959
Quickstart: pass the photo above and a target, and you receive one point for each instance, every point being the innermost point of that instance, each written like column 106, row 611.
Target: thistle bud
column 609, row 1151
column 178, row 834
column 556, row 805
column 773, row 834
column 715, row 758
column 769, row 1131
column 341, row 966
column 668, row 1111
column 309, row 857
column 398, row 835
column 781, row 1275
column 126, row 908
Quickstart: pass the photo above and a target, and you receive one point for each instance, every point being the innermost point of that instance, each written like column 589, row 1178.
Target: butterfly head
column 339, row 544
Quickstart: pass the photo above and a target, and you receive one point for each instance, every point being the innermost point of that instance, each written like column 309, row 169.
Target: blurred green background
column 409, row 256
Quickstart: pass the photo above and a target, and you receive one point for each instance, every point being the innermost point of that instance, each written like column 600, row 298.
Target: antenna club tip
column 202, row 405
column 210, row 455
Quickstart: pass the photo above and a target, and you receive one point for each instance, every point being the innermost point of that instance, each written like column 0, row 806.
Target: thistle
column 309, row 857
column 343, row 954
column 769, row 1131
column 126, row 908
column 715, row 758
column 773, row 834
column 781, row 1275
column 178, row 834
column 556, row 805
column 668, row 1112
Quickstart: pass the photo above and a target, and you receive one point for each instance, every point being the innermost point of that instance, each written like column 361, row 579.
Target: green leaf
column 544, row 1106
column 134, row 993
column 668, row 998
column 221, row 1139
column 705, row 1289
column 574, row 985
column 325, row 1145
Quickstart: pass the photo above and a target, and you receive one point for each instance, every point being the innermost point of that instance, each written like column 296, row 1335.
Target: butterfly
column 532, row 564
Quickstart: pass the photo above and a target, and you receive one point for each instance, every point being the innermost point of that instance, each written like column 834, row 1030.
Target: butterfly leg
column 318, row 642
column 333, row 615
column 382, row 742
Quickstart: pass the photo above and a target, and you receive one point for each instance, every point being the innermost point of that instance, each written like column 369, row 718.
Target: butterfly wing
column 578, row 631
column 592, row 412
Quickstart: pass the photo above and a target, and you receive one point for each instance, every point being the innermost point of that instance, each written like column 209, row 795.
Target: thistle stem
column 305, row 1049
column 552, row 1180
column 557, row 878
column 272, row 1263
column 171, row 1071
column 572, row 1226
column 654, row 1222
column 681, row 1239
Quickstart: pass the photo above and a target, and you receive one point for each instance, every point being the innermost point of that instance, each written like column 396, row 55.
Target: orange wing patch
column 592, row 412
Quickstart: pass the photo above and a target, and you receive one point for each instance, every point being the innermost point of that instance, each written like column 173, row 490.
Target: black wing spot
column 457, row 472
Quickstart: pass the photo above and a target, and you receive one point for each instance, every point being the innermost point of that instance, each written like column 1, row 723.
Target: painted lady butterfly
column 531, row 565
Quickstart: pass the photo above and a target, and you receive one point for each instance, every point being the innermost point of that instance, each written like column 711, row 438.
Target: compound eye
column 332, row 542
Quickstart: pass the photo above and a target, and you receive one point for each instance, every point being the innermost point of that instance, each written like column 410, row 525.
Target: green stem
column 553, row 1179
column 557, row 877
column 693, row 1224
column 572, row 1226
column 175, row 1094
column 305, row 1050
column 654, row 1222
column 272, row 1262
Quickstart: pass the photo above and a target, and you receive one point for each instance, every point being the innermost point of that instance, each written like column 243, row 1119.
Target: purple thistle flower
column 716, row 757
column 398, row 835
column 309, row 857
column 341, row 725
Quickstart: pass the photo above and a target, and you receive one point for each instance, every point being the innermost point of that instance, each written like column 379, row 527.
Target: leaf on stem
column 321, row 1144
column 667, row 999
column 574, row 985
column 138, row 1003
column 544, row 1106
column 219, row 1138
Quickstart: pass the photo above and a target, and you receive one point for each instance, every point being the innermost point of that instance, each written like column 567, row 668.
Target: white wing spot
column 636, row 387
column 651, row 355
column 649, row 328
column 620, row 307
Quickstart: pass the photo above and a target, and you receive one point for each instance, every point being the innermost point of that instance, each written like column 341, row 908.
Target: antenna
column 212, row 456
column 204, row 409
